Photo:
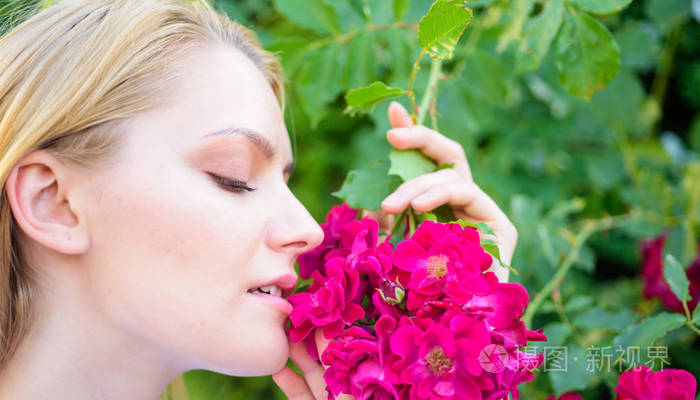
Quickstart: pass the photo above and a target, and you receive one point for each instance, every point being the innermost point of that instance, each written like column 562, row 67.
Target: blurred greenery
column 579, row 118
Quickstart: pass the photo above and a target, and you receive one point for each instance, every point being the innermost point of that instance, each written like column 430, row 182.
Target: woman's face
column 174, row 253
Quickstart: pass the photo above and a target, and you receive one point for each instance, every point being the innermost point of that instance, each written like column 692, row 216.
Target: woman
column 144, row 164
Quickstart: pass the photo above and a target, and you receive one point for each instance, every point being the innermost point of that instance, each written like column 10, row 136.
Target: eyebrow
column 258, row 140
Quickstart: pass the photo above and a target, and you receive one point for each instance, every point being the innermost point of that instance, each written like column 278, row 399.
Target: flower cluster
column 653, row 276
column 642, row 383
column 421, row 320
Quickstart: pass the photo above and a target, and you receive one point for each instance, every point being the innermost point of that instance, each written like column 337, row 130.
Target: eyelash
column 232, row 185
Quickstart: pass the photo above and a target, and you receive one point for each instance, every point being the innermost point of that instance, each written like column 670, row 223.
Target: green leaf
column 639, row 44
column 367, row 187
column 319, row 81
column 485, row 228
column 409, row 164
column 400, row 9
column 575, row 376
column 696, row 315
column 538, row 34
column 361, row 7
column 361, row 61
column 646, row 332
column 597, row 318
column 603, row 6
column 440, row 29
column 587, row 56
column 491, row 248
column 674, row 273
column 316, row 15
column 426, row 216
column 366, row 98
column 668, row 13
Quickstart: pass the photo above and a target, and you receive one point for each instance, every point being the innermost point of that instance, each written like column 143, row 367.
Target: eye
column 235, row 186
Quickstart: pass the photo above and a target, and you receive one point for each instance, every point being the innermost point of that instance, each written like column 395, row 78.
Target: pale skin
column 146, row 260
column 454, row 186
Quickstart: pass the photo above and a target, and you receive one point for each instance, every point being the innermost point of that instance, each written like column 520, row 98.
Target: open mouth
column 271, row 290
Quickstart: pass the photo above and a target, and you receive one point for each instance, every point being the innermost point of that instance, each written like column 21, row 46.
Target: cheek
column 173, row 265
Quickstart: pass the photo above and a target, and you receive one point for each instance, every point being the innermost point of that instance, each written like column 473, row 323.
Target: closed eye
column 235, row 186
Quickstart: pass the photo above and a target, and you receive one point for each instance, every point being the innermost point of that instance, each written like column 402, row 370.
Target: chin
column 266, row 355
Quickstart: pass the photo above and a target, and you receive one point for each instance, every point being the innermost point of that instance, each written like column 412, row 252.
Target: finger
column 433, row 144
column 321, row 344
column 407, row 191
column 293, row 385
column 386, row 221
column 312, row 370
column 398, row 116
column 471, row 203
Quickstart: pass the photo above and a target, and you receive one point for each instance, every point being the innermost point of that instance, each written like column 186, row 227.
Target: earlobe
column 38, row 190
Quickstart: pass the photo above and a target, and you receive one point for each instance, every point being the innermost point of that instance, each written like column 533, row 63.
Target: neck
column 74, row 353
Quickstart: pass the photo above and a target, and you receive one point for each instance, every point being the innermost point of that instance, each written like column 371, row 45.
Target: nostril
column 298, row 244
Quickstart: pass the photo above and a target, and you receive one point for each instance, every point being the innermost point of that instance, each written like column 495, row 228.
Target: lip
column 286, row 282
column 278, row 302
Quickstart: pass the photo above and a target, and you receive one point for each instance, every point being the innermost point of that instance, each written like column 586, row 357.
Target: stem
column 560, row 274
column 688, row 319
column 398, row 221
column 411, row 95
column 431, row 88
column 411, row 221
column 658, row 88
column 433, row 115
column 590, row 226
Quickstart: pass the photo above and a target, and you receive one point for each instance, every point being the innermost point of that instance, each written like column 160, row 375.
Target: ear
column 38, row 190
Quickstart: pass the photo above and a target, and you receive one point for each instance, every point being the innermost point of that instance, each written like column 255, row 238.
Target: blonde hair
column 68, row 74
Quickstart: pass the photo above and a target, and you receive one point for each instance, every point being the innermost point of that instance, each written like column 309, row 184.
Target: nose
column 292, row 228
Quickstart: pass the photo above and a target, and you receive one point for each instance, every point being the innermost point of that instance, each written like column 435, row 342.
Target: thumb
column 398, row 116
column 321, row 343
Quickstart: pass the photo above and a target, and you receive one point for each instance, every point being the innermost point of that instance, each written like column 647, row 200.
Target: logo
column 493, row 358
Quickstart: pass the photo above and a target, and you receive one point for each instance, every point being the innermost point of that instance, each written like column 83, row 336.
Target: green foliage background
column 578, row 117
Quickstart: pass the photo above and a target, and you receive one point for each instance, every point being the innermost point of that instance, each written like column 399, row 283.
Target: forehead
column 218, row 87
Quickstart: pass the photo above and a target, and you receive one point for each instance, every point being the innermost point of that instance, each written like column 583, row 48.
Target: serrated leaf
column 316, row 15
column 319, row 81
column 675, row 276
column 485, row 228
column 361, row 7
column 646, row 332
column 426, row 216
column 603, row 6
column 597, row 318
column 587, row 56
column 361, row 61
column 367, row 187
column 491, row 248
column 440, row 29
column 409, row 164
column 538, row 34
column 366, row 98
column 575, row 375
column 400, row 9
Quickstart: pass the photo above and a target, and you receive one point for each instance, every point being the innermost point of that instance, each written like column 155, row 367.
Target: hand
column 311, row 386
column 453, row 186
